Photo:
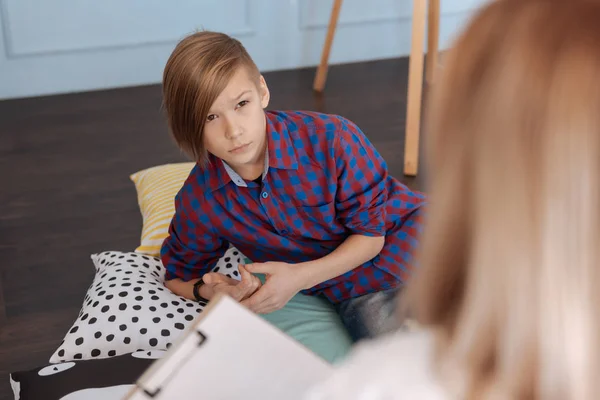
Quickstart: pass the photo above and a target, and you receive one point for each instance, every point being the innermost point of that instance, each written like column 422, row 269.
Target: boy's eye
column 211, row 117
column 242, row 103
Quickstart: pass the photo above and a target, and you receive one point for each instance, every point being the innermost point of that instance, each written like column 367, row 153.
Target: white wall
column 58, row 46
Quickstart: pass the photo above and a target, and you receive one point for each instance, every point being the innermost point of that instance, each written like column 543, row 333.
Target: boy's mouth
column 240, row 149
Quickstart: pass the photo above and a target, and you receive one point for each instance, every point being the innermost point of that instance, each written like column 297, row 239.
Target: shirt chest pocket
column 318, row 222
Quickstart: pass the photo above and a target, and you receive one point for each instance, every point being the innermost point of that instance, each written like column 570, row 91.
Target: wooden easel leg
column 433, row 40
column 321, row 77
column 415, row 90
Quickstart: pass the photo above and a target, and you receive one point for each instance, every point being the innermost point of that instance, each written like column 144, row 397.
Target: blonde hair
column 510, row 274
column 196, row 73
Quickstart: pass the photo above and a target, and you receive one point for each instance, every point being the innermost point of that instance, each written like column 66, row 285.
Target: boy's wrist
column 306, row 278
column 197, row 291
column 206, row 291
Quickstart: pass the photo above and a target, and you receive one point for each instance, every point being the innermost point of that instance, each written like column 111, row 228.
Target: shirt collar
column 280, row 154
column 215, row 175
column 237, row 179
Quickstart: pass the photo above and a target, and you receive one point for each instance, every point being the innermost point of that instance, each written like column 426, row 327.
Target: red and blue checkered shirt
column 323, row 182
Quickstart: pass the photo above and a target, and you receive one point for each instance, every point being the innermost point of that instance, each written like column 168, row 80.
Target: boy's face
column 235, row 128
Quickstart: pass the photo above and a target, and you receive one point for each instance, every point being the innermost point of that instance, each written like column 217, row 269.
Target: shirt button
column 265, row 195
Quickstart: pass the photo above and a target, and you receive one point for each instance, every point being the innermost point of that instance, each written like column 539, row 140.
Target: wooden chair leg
column 415, row 89
column 321, row 77
column 433, row 39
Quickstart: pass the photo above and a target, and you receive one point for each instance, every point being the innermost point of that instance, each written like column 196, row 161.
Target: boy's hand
column 238, row 290
column 283, row 282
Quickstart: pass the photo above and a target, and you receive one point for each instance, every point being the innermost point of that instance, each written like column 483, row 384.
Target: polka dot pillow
column 128, row 309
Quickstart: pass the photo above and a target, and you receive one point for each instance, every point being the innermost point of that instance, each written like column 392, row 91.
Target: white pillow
column 128, row 309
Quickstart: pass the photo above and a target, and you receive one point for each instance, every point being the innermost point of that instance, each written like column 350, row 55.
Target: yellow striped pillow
column 156, row 189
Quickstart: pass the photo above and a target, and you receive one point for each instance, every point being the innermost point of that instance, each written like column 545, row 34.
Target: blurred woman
column 508, row 294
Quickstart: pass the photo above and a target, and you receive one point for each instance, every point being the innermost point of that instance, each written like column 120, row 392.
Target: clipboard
column 229, row 352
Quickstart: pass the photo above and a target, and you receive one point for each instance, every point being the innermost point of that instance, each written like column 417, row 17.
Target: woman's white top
column 397, row 366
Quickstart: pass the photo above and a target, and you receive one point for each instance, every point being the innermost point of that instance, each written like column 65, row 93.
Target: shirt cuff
column 368, row 229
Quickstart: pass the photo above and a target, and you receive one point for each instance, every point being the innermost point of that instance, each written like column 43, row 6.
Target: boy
column 304, row 195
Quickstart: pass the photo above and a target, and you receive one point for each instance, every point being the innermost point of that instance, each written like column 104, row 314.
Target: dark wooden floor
column 65, row 191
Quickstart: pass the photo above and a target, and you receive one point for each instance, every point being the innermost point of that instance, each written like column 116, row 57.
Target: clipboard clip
column 153, row 393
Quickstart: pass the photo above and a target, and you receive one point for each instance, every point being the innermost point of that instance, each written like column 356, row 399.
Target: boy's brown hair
column 196, row 73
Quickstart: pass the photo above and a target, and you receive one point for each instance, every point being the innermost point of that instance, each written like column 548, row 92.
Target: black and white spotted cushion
column 128, row 309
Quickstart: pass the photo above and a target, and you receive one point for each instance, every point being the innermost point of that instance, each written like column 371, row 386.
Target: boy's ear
column 265, row 96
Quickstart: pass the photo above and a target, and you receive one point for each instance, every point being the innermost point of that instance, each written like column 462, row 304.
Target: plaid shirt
column 323, row 181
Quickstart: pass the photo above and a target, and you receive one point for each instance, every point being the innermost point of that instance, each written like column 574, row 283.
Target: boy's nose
column 232, row 130
column 233, row 133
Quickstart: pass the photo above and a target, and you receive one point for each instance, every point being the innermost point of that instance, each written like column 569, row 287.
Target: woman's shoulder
column 397, row 366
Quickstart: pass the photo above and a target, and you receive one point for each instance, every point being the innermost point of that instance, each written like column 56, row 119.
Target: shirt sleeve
column 192, row 248
column 362, row 174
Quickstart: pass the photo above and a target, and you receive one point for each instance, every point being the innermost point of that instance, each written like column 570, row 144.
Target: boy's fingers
column 249, row 280
column 235, row 291
column 246, row 276
column 239, row 293
column 256, row 281
column 261, row 268
column 217, row 277
column 255, row 302
column 213, row 277
column 263, row 308
column 254, row 287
